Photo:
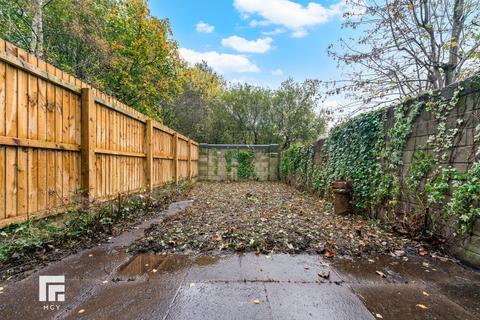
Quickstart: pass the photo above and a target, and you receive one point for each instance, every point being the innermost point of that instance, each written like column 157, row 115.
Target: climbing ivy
column 422, row 163
column 351, row 152
column 229, row 160
column 465, row 201
column 363, row 151
column 246, row 168
column 391, row 155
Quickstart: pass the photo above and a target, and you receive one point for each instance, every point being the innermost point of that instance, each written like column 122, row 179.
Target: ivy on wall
column 245, row 168
column 364, row 151
column 229, row 160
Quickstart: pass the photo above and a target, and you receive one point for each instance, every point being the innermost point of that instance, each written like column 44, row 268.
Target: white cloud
column 277, row 72
column 204, row 27
column 291, row 15
column 273, row 32
column 220, row 62
column 240, row 44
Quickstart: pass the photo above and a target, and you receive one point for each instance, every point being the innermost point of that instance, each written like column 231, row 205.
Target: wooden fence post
column 88, row 143
column 149, row 153
column 176, row 157
column 189, row 159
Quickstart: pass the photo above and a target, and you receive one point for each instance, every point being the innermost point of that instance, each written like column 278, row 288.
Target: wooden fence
column 59, row 135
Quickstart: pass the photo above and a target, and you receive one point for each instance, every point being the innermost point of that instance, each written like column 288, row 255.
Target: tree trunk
column 458, row 21
column 36, row 46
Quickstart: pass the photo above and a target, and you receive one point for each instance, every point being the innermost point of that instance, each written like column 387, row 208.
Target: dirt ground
column 268, row 217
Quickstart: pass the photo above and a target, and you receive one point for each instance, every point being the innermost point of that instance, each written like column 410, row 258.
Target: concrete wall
column 462, row 155
column 218, row 162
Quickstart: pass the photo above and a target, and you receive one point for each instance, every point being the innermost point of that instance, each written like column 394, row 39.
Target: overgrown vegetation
column 245, row 167
column 83, row 224
column 361, row 150
column 229, row 160
column 117, row 46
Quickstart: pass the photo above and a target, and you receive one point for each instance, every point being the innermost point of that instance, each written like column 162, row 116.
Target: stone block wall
column 218, row 162
column 464, row 119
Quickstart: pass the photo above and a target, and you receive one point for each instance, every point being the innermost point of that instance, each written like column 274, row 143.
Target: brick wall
column 218, row 162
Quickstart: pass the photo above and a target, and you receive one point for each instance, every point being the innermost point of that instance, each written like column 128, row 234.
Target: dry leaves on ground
column 265, row 217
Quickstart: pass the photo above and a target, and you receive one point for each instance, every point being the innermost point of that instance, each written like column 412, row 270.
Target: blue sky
column 257, row 41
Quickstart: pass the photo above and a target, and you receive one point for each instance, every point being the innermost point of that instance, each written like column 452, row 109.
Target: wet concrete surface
column 107, row 283
column 413, row 287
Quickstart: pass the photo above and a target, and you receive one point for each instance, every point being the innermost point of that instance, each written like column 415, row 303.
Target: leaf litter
column 266, row 217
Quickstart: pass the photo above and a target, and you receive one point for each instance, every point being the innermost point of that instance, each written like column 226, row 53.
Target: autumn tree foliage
column 117, row 46
column 405, row 47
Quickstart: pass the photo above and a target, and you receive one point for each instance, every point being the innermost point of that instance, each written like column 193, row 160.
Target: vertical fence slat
column 175, row 156
column 189, row 173
column 2, row 132
column 88, row 142
column 149, row 153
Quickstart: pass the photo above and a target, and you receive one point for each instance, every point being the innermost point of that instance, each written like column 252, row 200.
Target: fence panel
column 57, row 138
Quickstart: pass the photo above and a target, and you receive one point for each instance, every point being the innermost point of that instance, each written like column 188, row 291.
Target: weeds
column 84, row 222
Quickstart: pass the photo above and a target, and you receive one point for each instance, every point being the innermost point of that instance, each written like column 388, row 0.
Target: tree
column 187, row 113
column 248, row 106
column 293, row 116
column 406, row 47
column 146, row 68
column 115, row 45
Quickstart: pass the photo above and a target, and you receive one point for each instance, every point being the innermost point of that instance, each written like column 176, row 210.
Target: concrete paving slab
column 267, row 268
column 227, row 300
column 315, row 301
column 407, row 302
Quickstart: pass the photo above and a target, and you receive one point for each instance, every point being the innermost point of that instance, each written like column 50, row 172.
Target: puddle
column 203, row 261
column 141, row 265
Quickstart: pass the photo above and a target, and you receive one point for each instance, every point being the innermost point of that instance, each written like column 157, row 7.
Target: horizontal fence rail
column 58, row 135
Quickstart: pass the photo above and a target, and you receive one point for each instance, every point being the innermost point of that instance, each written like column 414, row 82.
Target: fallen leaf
column 399, row 253
column 422, row 306
column 425, row 293
column 81, row 311
column 380, row 273
column 329, row 253
column 330, row 242
column 423, row 252
column 256, row 301
column 217, row 237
